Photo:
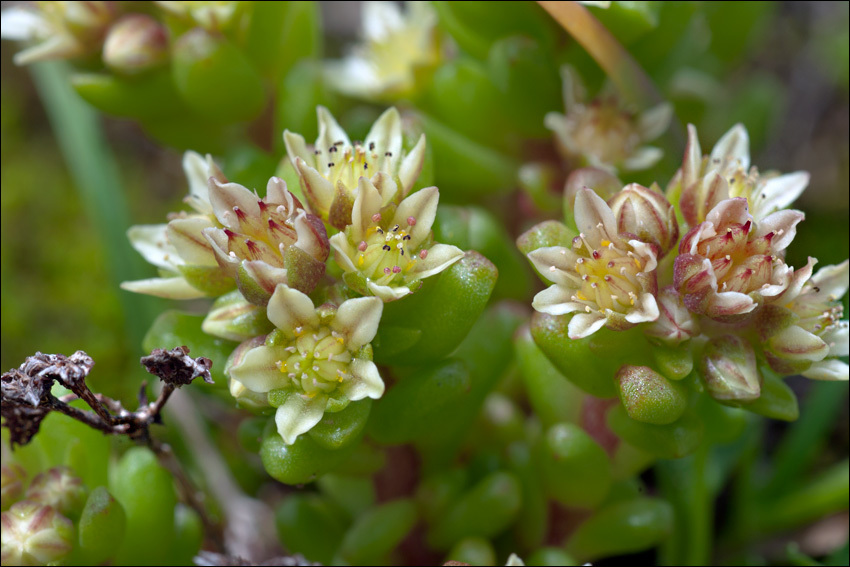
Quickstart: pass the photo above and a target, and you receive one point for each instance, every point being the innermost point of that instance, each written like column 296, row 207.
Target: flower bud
column 233, row 318
column 245, row 398
column 647, row 214
column 649, row 397
column 135, row 43
column 12, row 481
column 34, row 534
column 728, row 366
column 60, row 488
column 675, row 323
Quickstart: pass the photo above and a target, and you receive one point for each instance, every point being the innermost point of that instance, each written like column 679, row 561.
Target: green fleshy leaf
column 473, row 551
column 378, row 532
column 576, row 470
column 101, row 526
column 671, row 441
column 777, row 400
column 339, row 429
column 649, row 397
column 299, row 463
column 153, row 96
column 310, row 525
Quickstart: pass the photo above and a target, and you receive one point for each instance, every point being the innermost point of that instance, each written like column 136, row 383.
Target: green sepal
column 649, row 397
column 414, row 404
column 210, row 280
column 153, row 96
column 101, row 527
column 215, row 79
column 623, row 527
column 232, row 318
column 474, row 228
column 486, row 510
column 552, row 397
column 310, row 525
column 444, row 311
column 303, row 272
column 473, row 551
column 377, row 532
column 777, row 400
column 250, row 289
column 341, row 428
column 576, row 470
column 173, row 328
column 514, row 63
column 280, row 34
column 146, row 492
column 671, row 441
column 545, row 234
column 299, row 463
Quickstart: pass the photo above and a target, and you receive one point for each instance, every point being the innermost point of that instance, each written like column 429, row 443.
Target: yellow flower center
column 385, row 255
column 607, row 276
column 347, row 164
column 318, row 360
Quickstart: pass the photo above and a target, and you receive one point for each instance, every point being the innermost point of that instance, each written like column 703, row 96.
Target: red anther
column 376, row 217
column 423, row 254
column 396, row 269
column 387, row 271
column 611, row 264
column 596, row 255
column 362, row 246
column 411, row 221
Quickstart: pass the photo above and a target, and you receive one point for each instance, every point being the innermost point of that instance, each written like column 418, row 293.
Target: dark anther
column 386, row 247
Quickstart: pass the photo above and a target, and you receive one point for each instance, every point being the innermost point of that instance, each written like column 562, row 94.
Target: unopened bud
column 675, row 324
column 135, row 44
column 60, row 488
column 729, row 369
column 12, row 480
column 34, row 534
column 649, row 397
column 647, row 214
column 246, row 398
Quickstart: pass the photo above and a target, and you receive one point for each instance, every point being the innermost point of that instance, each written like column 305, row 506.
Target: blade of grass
column 96, row 177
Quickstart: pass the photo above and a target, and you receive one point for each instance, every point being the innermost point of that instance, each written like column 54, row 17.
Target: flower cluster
column 727, row 295
column 264, row 257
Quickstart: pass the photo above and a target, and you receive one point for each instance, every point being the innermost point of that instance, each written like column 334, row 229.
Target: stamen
column 411, row 221
column 362, row 246
column 396, row 269
column 376, row 218
column 423, row 254
column 386, row 247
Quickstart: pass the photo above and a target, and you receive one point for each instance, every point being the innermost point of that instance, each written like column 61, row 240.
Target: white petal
column 388, row 293
column 733, row 145
column 779, row 192
column 558, row 257
column 20, row 24
column 648, row 310
column 386, row 135
column 380, row 19
column 411, row 166
column 366, row 382
column 296, row 147
column 197, row 173
column 278, row 194
column 653, row 122
column 572, row 88
column 556, row 300
column 692, row 163
column 728, row 303
column 783, row 224
column 319, row 191
column 169, row 288
column 330, row 133
column 832, row 369
column 299, row 414
column 440, row 257
column 422, row 206
column 590, row 210
column 585, row 324
column 343, row 252
column 366, row 204
column 358, row 320
column 266, row 276
column 643, row 158
column 729, row 211
column 151, row 242
column 258, row 370
column 290, row 309
column 227, row 196
column 187, row 237
column 833, row 281
column 838, row 338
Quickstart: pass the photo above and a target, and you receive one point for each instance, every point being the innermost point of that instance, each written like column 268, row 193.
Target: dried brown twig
column 27, row 399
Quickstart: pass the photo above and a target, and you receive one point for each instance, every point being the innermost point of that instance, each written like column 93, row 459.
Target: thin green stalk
column 685, row 486
column 96, row 177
